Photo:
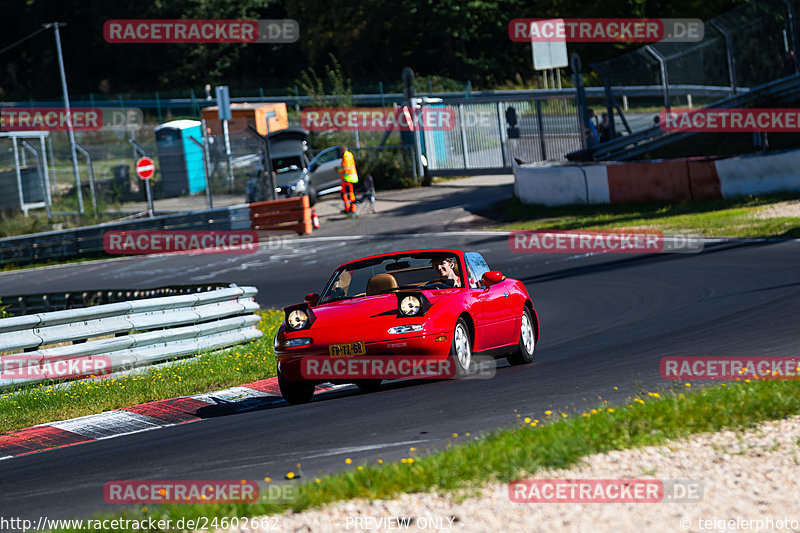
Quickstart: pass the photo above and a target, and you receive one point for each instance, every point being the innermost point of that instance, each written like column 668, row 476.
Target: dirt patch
column 789, row 208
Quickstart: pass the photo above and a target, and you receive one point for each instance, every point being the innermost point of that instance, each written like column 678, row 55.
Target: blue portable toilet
column 180, row 160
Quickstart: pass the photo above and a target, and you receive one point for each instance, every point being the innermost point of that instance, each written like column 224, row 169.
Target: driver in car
column 448, row 270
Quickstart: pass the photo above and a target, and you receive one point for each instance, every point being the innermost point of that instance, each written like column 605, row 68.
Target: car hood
column 378, row 310
column 288, row 178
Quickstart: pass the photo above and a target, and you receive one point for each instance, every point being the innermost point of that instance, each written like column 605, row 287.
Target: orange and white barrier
column 666, row 180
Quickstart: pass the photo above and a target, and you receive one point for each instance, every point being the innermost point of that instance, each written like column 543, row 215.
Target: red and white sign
column 50, row 119
column 606, row 30
column 145, row 168
column 377, row 119
column 731, row 120
column 180, row 31
column 729, row 368
column 165, row 242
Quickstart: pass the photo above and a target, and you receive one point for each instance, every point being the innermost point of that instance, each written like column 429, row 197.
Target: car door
column 324, row 170
column 498, row 317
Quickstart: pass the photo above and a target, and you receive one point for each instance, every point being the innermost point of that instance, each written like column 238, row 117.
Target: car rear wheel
column 461, row 349
column 527, row 341
column 369, row 385
column 295, row 392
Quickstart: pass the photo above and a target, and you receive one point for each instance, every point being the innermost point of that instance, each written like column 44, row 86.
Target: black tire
column 295, row 392
column 524, row 351
column 312, row 195
column 369, row 385
column 461, row 349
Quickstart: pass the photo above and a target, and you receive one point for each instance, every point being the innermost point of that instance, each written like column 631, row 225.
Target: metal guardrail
column 626, row 147
column 88, row 241
column 27, row 304
column 126, row 335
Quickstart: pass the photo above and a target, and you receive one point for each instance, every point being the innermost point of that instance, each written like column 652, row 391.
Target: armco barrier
column 131, row 334
column 26, row 304
column 88, row 241
column 289, row 214
column 674, row 180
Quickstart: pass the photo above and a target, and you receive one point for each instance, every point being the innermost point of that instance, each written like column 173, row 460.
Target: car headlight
column 410, row 305
column 297, row 319
column 299, row 186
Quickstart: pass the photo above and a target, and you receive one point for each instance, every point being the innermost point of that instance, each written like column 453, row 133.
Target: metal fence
column 744, row 47
column 546, row 128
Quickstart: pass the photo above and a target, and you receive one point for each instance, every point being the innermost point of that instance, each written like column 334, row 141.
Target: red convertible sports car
column 440, row 306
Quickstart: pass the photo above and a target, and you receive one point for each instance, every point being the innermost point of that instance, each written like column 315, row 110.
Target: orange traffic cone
column 314, row 218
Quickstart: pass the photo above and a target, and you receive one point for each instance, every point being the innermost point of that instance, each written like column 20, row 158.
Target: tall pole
column 268, row 155
column 70, row 128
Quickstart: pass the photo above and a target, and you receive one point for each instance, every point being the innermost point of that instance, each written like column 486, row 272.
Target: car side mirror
column 312, row 299
column 311, row 167
column 492, row 277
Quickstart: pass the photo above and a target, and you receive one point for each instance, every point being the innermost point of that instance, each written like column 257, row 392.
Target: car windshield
column 387, row 274
column 286, row 164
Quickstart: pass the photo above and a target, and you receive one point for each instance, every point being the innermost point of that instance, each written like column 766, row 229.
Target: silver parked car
column 294, row 174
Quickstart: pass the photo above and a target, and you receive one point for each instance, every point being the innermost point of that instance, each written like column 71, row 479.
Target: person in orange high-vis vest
column 349, row 178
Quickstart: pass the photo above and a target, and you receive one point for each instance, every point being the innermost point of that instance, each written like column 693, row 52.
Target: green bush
column 390, row 169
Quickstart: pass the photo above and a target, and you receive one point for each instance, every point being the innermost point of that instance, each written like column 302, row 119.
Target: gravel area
column 790, row 208
column 746, row 476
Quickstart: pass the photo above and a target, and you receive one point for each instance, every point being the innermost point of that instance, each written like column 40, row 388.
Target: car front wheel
column 312, row 195
column 295, row 392
column 461, row 349
column 527, row 341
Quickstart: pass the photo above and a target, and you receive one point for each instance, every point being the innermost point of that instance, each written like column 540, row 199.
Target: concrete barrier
column 671, row 180
column 561, row 184
column 757, row 174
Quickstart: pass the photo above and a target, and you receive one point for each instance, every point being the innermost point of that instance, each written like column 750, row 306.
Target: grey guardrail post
column 90, row 166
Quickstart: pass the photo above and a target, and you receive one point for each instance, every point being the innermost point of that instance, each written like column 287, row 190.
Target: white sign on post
column 549, row 46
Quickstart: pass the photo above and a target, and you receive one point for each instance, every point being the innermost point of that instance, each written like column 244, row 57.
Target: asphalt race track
column 606, row 321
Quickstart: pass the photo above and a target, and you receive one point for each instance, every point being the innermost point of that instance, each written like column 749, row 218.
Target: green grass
column 16, row 223
column 241, row 364
column 546, row 441
column 731, row 217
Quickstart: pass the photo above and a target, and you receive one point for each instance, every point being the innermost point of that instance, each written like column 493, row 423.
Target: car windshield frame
column 325, row 295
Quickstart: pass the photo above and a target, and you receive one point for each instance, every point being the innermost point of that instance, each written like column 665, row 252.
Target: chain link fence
column 748, row 46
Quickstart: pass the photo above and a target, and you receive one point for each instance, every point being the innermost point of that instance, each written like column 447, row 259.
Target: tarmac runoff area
column 743, row 481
